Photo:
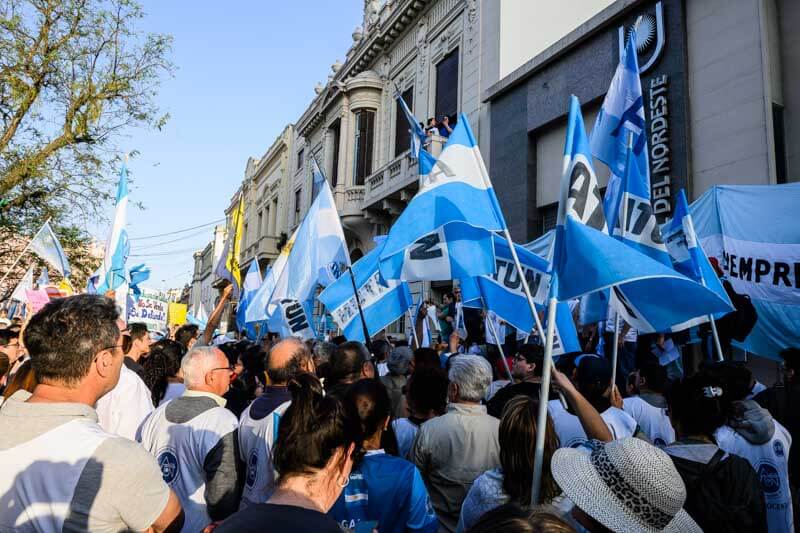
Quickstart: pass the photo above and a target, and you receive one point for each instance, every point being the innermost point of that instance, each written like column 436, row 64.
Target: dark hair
column 319, row 422
column 8, row 334
column 164, row 362
column 533, row 354
column 517, row 437
column 427, row 390
column 346, row 363
column 695, row 405
column 381, row 349
column 450, row 295
column 368, row 401
column 5, row 364
column 339, row 340
column 511, row 518
column 137, row 330
column 186, row 333
column 323, row 351
column 735, row 377
column 426, row 358
column 66, row 334
column 23, row 379
column 282, row 374
column 654, row 375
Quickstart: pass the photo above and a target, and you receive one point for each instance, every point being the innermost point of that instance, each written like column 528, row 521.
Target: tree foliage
column 75, row 75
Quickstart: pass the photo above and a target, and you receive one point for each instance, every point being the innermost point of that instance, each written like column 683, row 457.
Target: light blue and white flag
column 648, row 294
column 753, row 234
column 112, row 274
column 258, row 308
column 381, row 302
column 317, row 178
column 46, row 245
column 444, row 232
column 250, row 285
column 502, row 294
column 196, row 321
column 318, row 256
column 418, row 136
column 138, row 275
column 622, row 115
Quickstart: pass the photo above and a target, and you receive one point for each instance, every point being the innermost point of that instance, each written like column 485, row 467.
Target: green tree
column 75, row 75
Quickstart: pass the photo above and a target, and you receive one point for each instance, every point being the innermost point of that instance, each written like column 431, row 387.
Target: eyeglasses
column 228, row 368
column 120, row 346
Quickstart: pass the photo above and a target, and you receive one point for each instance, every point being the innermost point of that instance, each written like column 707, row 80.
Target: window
column 273, row 219
column 365, row 133
column 260, row 227
column 447, row 87
column 402, row 132
column 244, row 237
column 779, row 134
column 336, row 129
column 300, row 155
column 298, row 195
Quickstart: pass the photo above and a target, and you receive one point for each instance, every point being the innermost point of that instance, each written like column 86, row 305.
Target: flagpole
column 716, row 337
column 541, row 419
column 367, row 339
column 615, row 351
column 525, row 288
column 24, row 250
column 413, row 328
column 499, row 345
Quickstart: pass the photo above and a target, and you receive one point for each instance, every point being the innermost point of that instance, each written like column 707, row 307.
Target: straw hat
column 626, row 485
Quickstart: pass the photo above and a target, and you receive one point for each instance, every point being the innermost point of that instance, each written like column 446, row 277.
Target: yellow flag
column 176, row 313
column 232, row 263
column 66, row 287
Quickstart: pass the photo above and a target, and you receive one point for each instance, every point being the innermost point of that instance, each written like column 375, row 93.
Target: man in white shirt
column 649, row 407
column 58, row 469
column 593, row 378
column 194, row 439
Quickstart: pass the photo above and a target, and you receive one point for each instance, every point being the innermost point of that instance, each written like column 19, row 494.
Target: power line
column 174, row 252
column 177, row 231
column 171, row 241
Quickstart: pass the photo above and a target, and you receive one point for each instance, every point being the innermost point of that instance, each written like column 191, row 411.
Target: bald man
column 258, row 425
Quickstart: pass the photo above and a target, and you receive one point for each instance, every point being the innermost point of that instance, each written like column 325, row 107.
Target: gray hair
column 197, row 363
column 472, row 374
column 399, row 360
column 324, row 350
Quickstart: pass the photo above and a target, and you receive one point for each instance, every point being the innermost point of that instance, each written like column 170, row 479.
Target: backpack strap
column 709, row 467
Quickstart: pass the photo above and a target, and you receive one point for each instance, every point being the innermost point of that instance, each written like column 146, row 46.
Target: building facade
column 721, row 99
column 202, row 294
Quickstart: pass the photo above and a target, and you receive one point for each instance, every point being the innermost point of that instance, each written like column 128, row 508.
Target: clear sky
column 245, row 69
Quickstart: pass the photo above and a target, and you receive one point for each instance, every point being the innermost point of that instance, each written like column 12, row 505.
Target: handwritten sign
column 37, row 299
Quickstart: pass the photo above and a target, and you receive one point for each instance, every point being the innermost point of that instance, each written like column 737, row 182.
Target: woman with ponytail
column 162, row 371
column 723, row 492
column 317, row 443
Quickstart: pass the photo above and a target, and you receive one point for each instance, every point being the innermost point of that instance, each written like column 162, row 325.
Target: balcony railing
column 397, row 174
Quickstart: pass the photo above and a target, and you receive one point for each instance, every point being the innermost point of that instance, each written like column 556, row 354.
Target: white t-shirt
column 124, row 408
column 383, row 368
column 499, row 328
column 771, row 462
column 256, row 438
column 757, row 388
column 570, row 432
column 652, row 420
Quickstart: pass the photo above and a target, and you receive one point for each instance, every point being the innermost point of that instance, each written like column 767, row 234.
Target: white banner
column 150, row 311
column 763, row 271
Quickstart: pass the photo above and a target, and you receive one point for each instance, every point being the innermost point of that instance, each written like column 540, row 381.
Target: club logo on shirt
column 252, row 469
column 659, row 442
column 168, row 463
column 777, row 447
column 769, row 477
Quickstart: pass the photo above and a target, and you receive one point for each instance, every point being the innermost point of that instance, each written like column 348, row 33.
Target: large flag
column 318, row 256
column 444, row 232
column 648, row 294
column 381, row 302
column 258, row 308
column 138, row 275
column 25, row 284
column 46, row 245
column 502, row 294
column 228, row 265
column 619, row 139
column 317, row 178
column 252, row 281
column 418, row 136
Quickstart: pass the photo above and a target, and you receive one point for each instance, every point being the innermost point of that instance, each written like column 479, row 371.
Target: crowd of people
column 104, row 428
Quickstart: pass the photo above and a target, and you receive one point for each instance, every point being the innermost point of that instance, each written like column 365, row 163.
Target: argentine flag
column 46, row 245
column 502, row 293
column 258, row 308
column 418, row 136
column 317, row 255
column 381, row 302
column 444, row 232
column 252, row 282
column 648, row 294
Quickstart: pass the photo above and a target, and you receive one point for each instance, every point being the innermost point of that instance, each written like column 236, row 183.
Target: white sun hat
column 626, row 485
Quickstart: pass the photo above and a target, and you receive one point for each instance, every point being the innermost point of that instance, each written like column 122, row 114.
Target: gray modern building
column 721, row 90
